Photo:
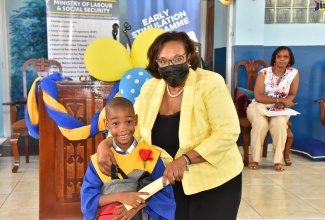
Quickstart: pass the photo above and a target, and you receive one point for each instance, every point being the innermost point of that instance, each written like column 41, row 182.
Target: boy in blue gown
column 121, row 121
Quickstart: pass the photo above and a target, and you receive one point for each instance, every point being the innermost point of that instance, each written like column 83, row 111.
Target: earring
column 288, row 67
column 274, row 67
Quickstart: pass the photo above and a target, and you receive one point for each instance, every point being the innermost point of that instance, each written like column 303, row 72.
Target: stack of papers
column 271, row 113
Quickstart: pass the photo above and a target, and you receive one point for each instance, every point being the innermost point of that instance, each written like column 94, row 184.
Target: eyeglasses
column 282, row 56
column 177, row 60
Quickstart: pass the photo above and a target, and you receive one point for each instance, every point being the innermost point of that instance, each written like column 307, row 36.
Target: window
column 293, row 11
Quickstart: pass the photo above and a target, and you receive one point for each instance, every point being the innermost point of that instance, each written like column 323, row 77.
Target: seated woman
column 276, row 87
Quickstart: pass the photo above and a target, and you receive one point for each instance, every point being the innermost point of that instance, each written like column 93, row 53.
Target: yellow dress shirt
column 208, row 124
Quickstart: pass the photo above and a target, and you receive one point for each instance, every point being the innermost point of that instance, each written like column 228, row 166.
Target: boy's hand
column 120, row 213
column 132, row 198
column 123, row 214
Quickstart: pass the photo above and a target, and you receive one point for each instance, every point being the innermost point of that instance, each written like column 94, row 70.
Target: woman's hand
column 283, row 103
column 175, row 170
column 279, row 105
column 105, row 156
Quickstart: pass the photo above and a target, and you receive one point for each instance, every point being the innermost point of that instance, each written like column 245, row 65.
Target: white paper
column 271, row 113
column 151, row 188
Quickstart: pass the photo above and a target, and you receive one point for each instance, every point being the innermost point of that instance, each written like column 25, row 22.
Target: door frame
column 209, row 34
column 4, row 72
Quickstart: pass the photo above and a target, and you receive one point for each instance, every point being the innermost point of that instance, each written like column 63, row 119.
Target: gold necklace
column 173, row 96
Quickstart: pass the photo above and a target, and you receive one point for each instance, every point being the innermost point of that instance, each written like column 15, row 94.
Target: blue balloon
column 132, row 81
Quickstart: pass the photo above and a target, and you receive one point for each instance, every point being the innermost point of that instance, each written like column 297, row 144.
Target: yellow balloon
column 226, row 2
column 141, row 45
column 107, row 59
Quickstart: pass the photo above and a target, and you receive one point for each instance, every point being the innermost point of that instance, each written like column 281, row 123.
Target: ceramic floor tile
column 312, row 168
column 28, row 176
column 251, row 177
column 265, row 192
column 308, row 191
column 246, row 211
column 7, row 187
column 27, row 186
column 19, row 213
column 287, row 209
column 6, row 164
column 318, row 204
column 22, row 200
column 289, row 179
column 10, row 177
column 33, row 166
column 3, row 198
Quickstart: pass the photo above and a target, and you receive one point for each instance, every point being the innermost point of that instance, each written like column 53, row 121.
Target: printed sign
column 169, row 15
column 72, row 25
column 320, row 5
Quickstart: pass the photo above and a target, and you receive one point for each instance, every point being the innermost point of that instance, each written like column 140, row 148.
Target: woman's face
column 282, row 58
column 172, row 50
column 173, row 65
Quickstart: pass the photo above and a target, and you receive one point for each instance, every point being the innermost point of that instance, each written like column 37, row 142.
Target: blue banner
column 169, row 15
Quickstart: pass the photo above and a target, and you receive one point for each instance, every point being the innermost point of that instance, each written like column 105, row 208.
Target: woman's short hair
column 158, row 43
column 277, row 50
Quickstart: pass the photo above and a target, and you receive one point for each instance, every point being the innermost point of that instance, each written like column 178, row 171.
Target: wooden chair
column 19, row 128
column 251, row 68
column 322, row 109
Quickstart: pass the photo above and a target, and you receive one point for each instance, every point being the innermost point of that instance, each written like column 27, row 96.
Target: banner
column 169, row 15
column 73, row 24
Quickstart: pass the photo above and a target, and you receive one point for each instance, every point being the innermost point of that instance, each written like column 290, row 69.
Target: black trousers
column 221, row 202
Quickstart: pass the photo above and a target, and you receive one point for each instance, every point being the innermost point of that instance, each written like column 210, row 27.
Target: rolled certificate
column 151, row 188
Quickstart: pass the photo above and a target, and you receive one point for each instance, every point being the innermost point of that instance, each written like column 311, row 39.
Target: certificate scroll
column 151, row 188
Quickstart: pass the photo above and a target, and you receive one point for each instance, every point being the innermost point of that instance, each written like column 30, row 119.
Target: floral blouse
column 278, row 86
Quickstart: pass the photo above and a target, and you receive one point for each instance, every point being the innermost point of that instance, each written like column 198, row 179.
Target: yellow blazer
column 208, row 124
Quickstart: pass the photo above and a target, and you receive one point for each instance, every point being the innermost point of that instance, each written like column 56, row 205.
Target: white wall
column 251, row 30
column 249, row 22
column 294, row 34
column 221, row 19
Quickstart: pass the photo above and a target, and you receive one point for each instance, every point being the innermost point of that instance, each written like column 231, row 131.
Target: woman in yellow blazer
column 188, row 112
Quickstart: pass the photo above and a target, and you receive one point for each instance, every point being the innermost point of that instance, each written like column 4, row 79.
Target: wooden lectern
column 62, row 163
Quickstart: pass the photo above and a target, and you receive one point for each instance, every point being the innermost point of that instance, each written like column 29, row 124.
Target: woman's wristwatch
column 188, row 161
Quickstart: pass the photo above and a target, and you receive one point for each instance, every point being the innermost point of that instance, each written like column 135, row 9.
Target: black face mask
column 174, row 75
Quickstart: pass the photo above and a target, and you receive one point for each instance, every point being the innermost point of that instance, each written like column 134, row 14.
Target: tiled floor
column 19, row 191
column 296, row 193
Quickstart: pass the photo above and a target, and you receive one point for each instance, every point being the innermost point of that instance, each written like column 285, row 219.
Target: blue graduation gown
column 161, row 206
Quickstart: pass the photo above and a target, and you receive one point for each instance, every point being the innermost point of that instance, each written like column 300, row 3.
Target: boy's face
column 121, row 123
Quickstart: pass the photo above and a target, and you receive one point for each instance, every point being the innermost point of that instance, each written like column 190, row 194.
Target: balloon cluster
column 108, row 60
